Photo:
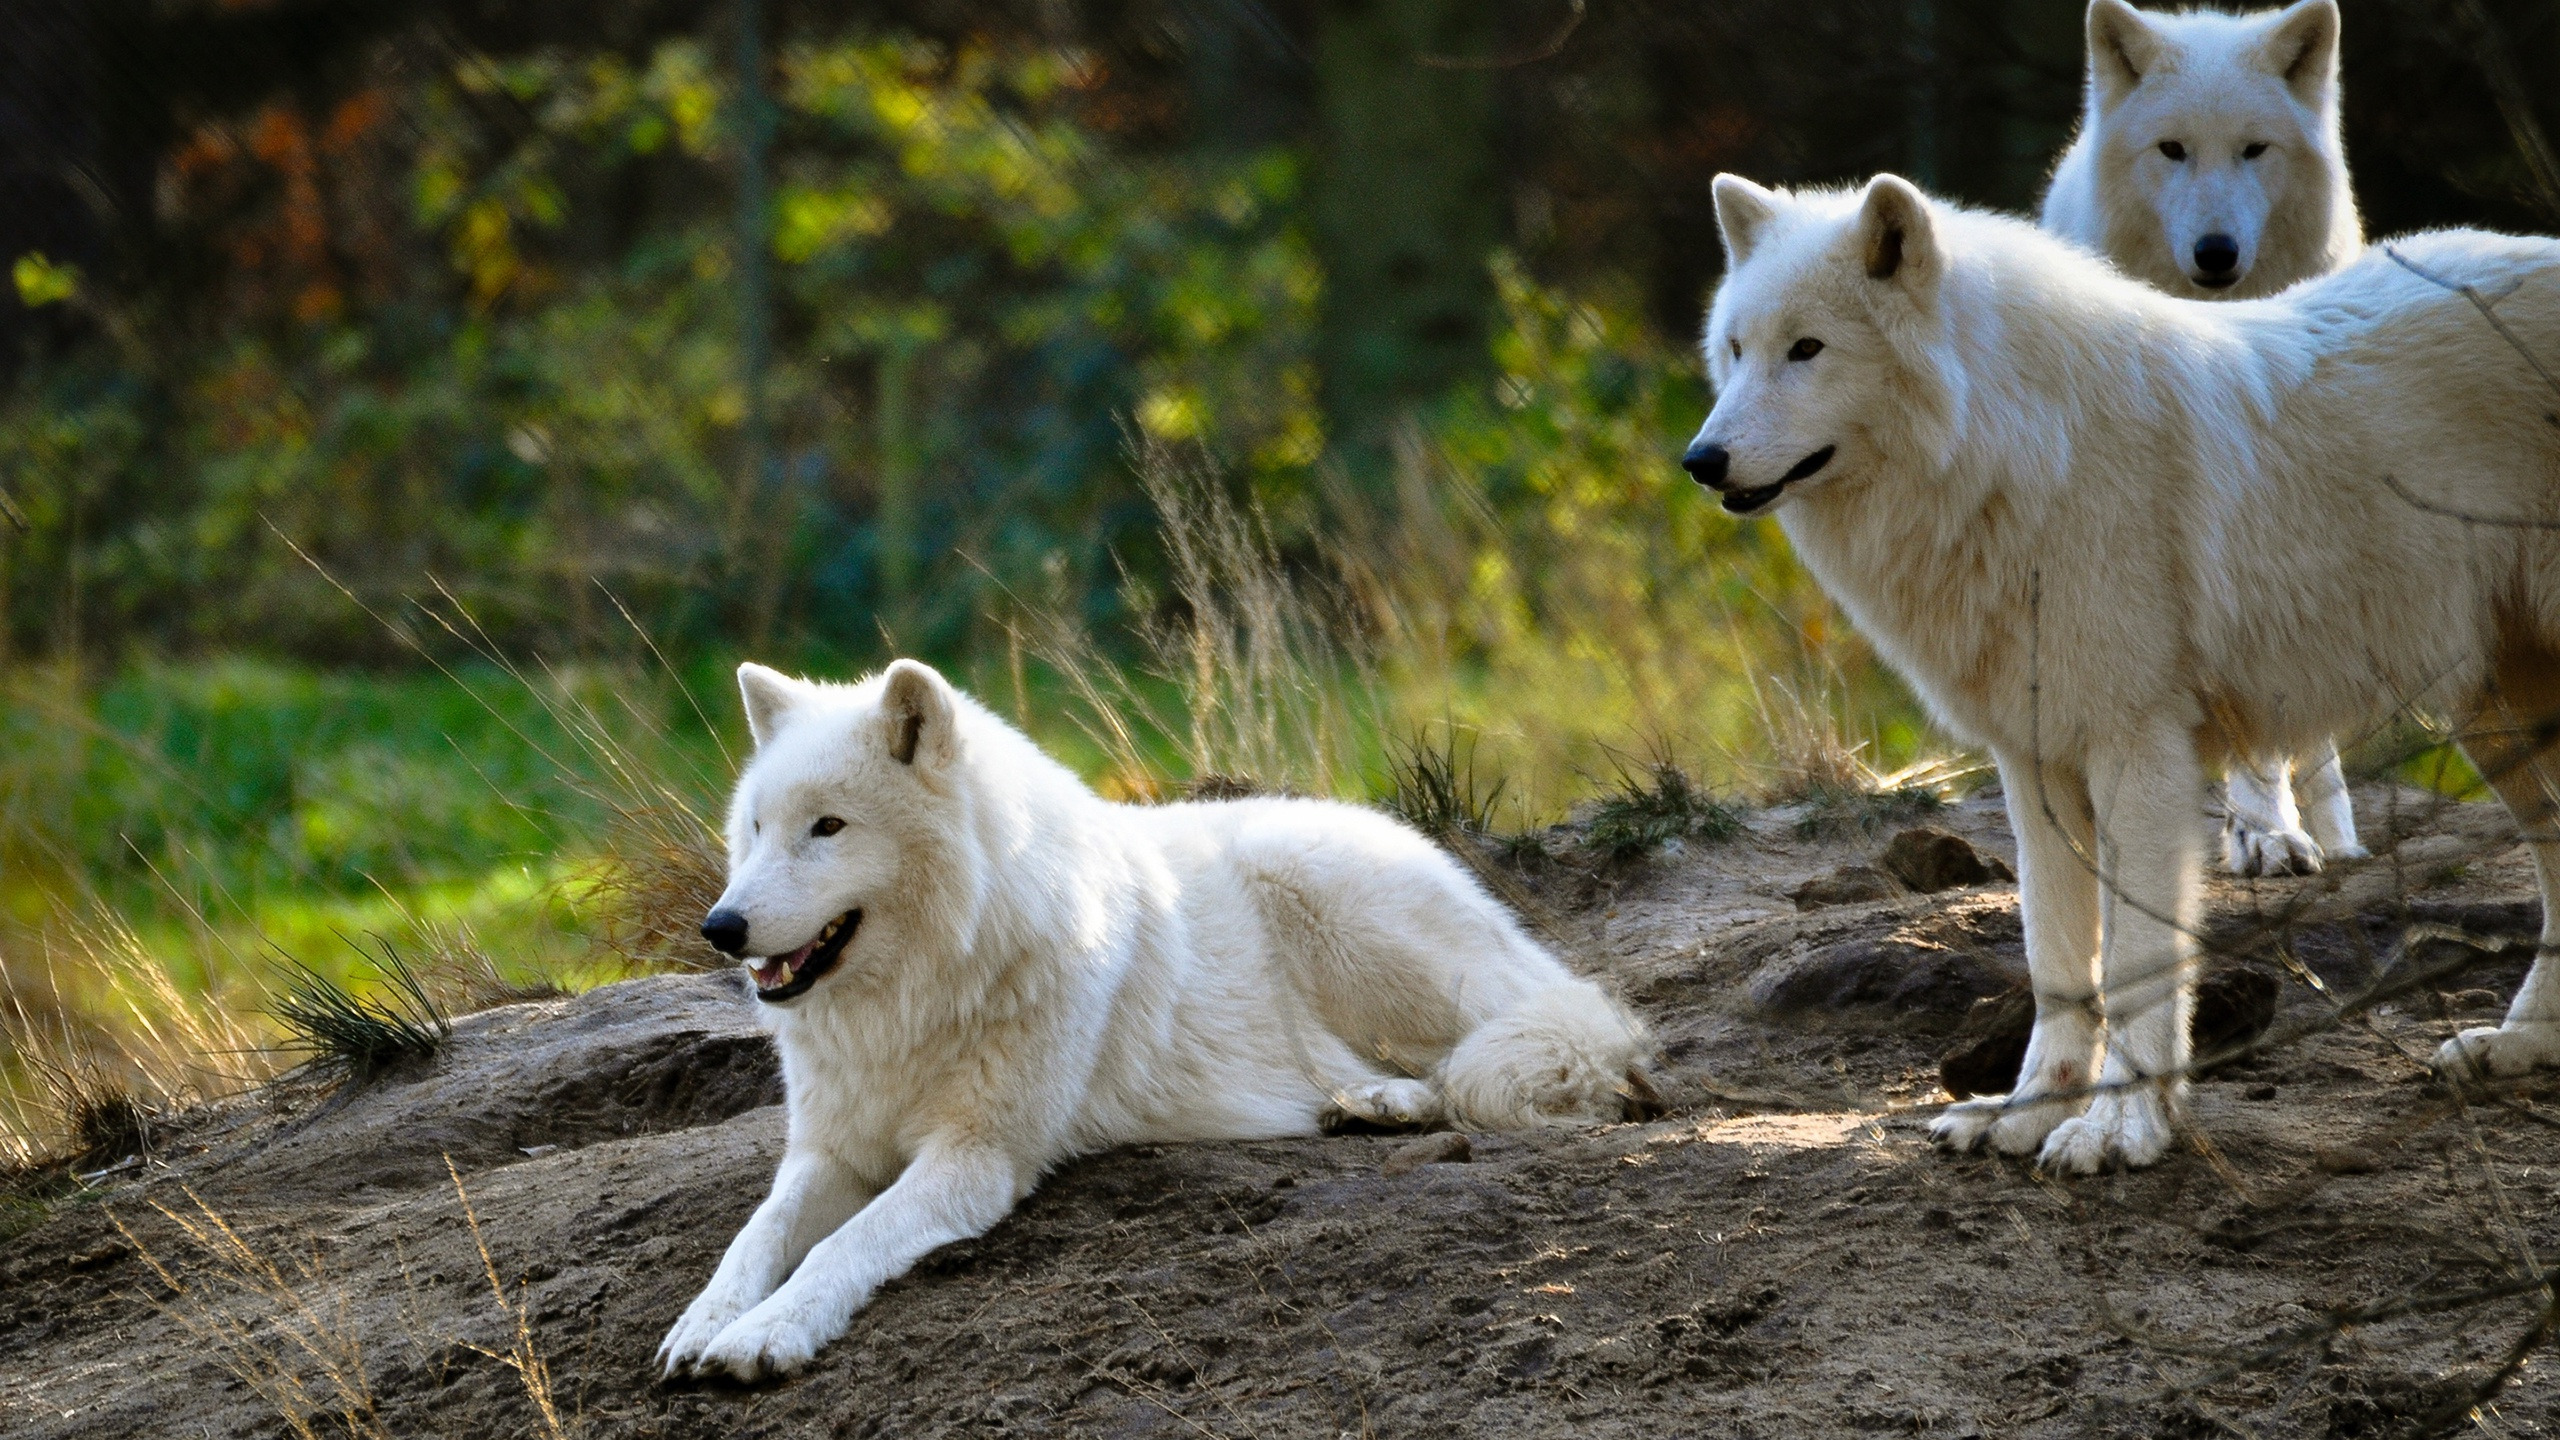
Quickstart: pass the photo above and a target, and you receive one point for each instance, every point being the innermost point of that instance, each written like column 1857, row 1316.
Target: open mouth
column 787, row 977
column 1743, row 502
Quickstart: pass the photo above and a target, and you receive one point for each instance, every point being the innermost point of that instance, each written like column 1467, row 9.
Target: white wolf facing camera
column 2115, row 536
column 975, row 968
column 2209, row 162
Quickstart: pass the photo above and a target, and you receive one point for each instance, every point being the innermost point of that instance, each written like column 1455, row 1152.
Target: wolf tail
column 1564, row 1053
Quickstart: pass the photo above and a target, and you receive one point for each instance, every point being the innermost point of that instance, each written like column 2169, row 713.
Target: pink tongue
column 775, row 970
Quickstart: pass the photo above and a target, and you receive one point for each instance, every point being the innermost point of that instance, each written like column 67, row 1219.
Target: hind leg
column 2327, row 812
column 2058, row 901
column 1392, row 947
column 2516, row 748
column 2262, row 833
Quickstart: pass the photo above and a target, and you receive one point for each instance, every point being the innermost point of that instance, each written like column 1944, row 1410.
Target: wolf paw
column 2126, row 1127
column 2011, row 1129
column 2487, row 1051
column 766, row 1342
column 2251, row 850
column 1390, row 1104
column 710, row 1313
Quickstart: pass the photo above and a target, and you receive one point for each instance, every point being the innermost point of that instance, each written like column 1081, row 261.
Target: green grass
column 1433, row 786
column 266, row 802
column 1652, row 805
column 1830, row 811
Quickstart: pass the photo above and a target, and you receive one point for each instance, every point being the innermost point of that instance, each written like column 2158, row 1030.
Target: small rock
column 2233, row 1007
column 1929, row 859
column 1848, row 885
column 1987, row 1064
column 1445, row 1148
column 2261, row 1092
column 1917, row 985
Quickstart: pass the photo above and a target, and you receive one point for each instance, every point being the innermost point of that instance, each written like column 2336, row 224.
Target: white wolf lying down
column 2209, row 162
column 2113, row 535
column 975, row 968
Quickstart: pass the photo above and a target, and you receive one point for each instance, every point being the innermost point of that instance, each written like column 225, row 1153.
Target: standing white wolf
column 2209, row 162
column 2114, row 535
column 975, row 968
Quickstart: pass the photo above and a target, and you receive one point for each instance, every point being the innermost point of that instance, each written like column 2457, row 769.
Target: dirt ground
column 1782, row 1254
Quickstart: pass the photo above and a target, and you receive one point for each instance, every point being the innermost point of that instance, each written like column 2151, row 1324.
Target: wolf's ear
column 1743, row 210
column 2122, row 49
column 769, row 694
column 917, row 710
column 1897, row 236
column 2301, row 49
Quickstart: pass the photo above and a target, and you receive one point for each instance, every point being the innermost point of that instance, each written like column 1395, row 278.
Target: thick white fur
column 2215, row 86
column 1039, row 973
column 2115, row 536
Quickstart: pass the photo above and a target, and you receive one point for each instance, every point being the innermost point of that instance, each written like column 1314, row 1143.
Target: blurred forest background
column 409, row 410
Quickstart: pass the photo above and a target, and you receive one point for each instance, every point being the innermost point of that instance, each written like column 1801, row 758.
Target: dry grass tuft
column 459, row 972
column 661, row 870
column 1273, row 687
column 281, row 1324
column 102, row 1040
column 281, row 1327
column 522, row 1356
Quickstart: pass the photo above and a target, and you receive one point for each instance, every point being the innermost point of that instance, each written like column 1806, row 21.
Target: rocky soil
column 2347, row 1248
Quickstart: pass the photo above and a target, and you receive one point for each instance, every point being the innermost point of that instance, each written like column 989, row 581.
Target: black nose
column 1706, row 464
column 726, row 930
column 2217, row 254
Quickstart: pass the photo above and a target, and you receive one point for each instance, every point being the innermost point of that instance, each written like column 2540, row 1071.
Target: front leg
column 813, row 1193
column 955, row 1189
column 2058, row 904
column 2148, row 839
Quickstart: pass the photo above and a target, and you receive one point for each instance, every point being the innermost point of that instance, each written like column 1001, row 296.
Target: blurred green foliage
column 278, row 801
column 972, row 299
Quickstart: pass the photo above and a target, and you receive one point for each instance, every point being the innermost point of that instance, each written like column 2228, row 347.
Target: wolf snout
column 726, row 930
column 1706, row 463
column 2217, row 261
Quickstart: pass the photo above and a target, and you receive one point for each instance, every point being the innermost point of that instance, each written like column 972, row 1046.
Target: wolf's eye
column 827, row 825
column 2253, row 151
column 1804, row 349
column 2173, row 149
